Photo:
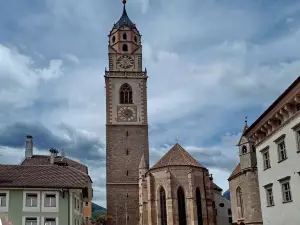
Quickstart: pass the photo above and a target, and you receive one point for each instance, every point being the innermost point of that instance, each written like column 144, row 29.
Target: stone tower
column 126, row 122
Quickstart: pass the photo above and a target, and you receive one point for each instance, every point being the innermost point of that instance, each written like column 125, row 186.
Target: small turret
column 247, row 151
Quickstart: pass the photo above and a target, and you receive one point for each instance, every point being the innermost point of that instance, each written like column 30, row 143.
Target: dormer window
column 244, row 149
column 125, row 48
column 124, row 36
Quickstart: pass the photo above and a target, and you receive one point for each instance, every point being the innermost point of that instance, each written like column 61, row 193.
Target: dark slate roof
column 227, row 194
column 216, row 187
column 46, row 176
column 177, row 156
column 45, row 160
column 124, row 21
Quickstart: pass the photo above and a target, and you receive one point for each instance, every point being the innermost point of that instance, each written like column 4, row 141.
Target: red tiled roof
column 177, row 156
column 45, row 160
column 42, row 176
column 235, row 172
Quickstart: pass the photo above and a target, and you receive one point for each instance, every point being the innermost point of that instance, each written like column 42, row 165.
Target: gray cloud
column 210, row 64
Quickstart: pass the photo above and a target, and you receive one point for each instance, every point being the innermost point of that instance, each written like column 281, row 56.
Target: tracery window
column 239, row 197
column 181, row 206
column 125, row 94
column 244, row 149
column 199, row 207
column 163, row 207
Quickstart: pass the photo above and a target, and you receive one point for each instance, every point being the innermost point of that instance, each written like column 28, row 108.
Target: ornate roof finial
column 124, row 2
column 246, row 124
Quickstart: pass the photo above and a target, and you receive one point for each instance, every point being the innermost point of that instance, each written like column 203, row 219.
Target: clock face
column 125, row 62
column 127, row 113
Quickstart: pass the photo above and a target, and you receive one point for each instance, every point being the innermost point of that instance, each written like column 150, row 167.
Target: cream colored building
column 276, row 134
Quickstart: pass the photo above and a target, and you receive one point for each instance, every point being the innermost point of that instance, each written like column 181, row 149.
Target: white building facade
column 276, row 135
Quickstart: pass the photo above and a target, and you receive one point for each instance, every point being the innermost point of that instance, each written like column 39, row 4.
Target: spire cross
column 176, row 140
column 246, row 120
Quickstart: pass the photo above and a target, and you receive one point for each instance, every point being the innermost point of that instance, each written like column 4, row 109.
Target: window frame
column 31, row 208
column 44, row 218
column 265, row 151
column 281, row 140
column 283, row 182
column 50, row 208
column 269, row 187
column 5, row 208
column 297, row 136
column 24, row 218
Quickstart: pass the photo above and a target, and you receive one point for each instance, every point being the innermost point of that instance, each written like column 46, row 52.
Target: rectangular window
column 286, row 191
column 298, row 139
column 77, row 204
column 269, row 194
column 50, row 221
column 266, row 158
column 50, row 200
column 75, row 222
column 230, row 220
column 2, row 199
column 281, row 151
column 31, row 221
column 86, row 204
column 31, row 200
column 229, row 212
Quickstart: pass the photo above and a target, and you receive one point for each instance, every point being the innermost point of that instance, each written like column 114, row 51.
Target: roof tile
column 177, row 156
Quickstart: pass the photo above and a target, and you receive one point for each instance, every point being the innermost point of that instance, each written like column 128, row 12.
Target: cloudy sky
column 210, row 64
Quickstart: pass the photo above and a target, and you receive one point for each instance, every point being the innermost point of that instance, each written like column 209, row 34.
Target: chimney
column 28, row 147
column 63, row 154
column 53, row 154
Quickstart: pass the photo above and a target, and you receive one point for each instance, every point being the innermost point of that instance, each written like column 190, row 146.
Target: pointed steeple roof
column 177, row 156
column 124, row 20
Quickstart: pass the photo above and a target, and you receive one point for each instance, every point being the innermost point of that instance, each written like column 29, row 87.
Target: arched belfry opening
column 125, row 94
column 163, row 206
column 199, row 206
column 181, row 206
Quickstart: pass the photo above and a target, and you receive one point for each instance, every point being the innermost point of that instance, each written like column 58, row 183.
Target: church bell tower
column 126, row 121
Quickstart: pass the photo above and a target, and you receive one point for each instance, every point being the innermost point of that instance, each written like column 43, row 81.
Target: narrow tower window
column 199, row 206
column 125, row 48
column 127, row 151
column 181, row 206
column 135, row 39
column 125, row 94
column 125, row 36
column 239, row 197
column 244, row 149
column 127, row 134
column 127, row 173
column 163, row 208
column 113, row 39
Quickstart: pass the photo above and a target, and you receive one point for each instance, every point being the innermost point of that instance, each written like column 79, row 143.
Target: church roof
column 124, row 21
column 235, row 172
column 177, row 156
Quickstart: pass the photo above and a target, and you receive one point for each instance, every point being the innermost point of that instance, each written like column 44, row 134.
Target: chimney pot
column 28, row 146
column 53, row 154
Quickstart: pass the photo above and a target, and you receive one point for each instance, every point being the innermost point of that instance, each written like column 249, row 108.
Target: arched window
column 125, row 48
column 181, row 206
column 163, row 207
column 125, row 36
column 244, row 149
column 113, row 39
column 239, row 197
column 125, row 94
column 199, row 207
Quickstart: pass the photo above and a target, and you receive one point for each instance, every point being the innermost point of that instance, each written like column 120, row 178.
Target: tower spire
column 246, row 124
